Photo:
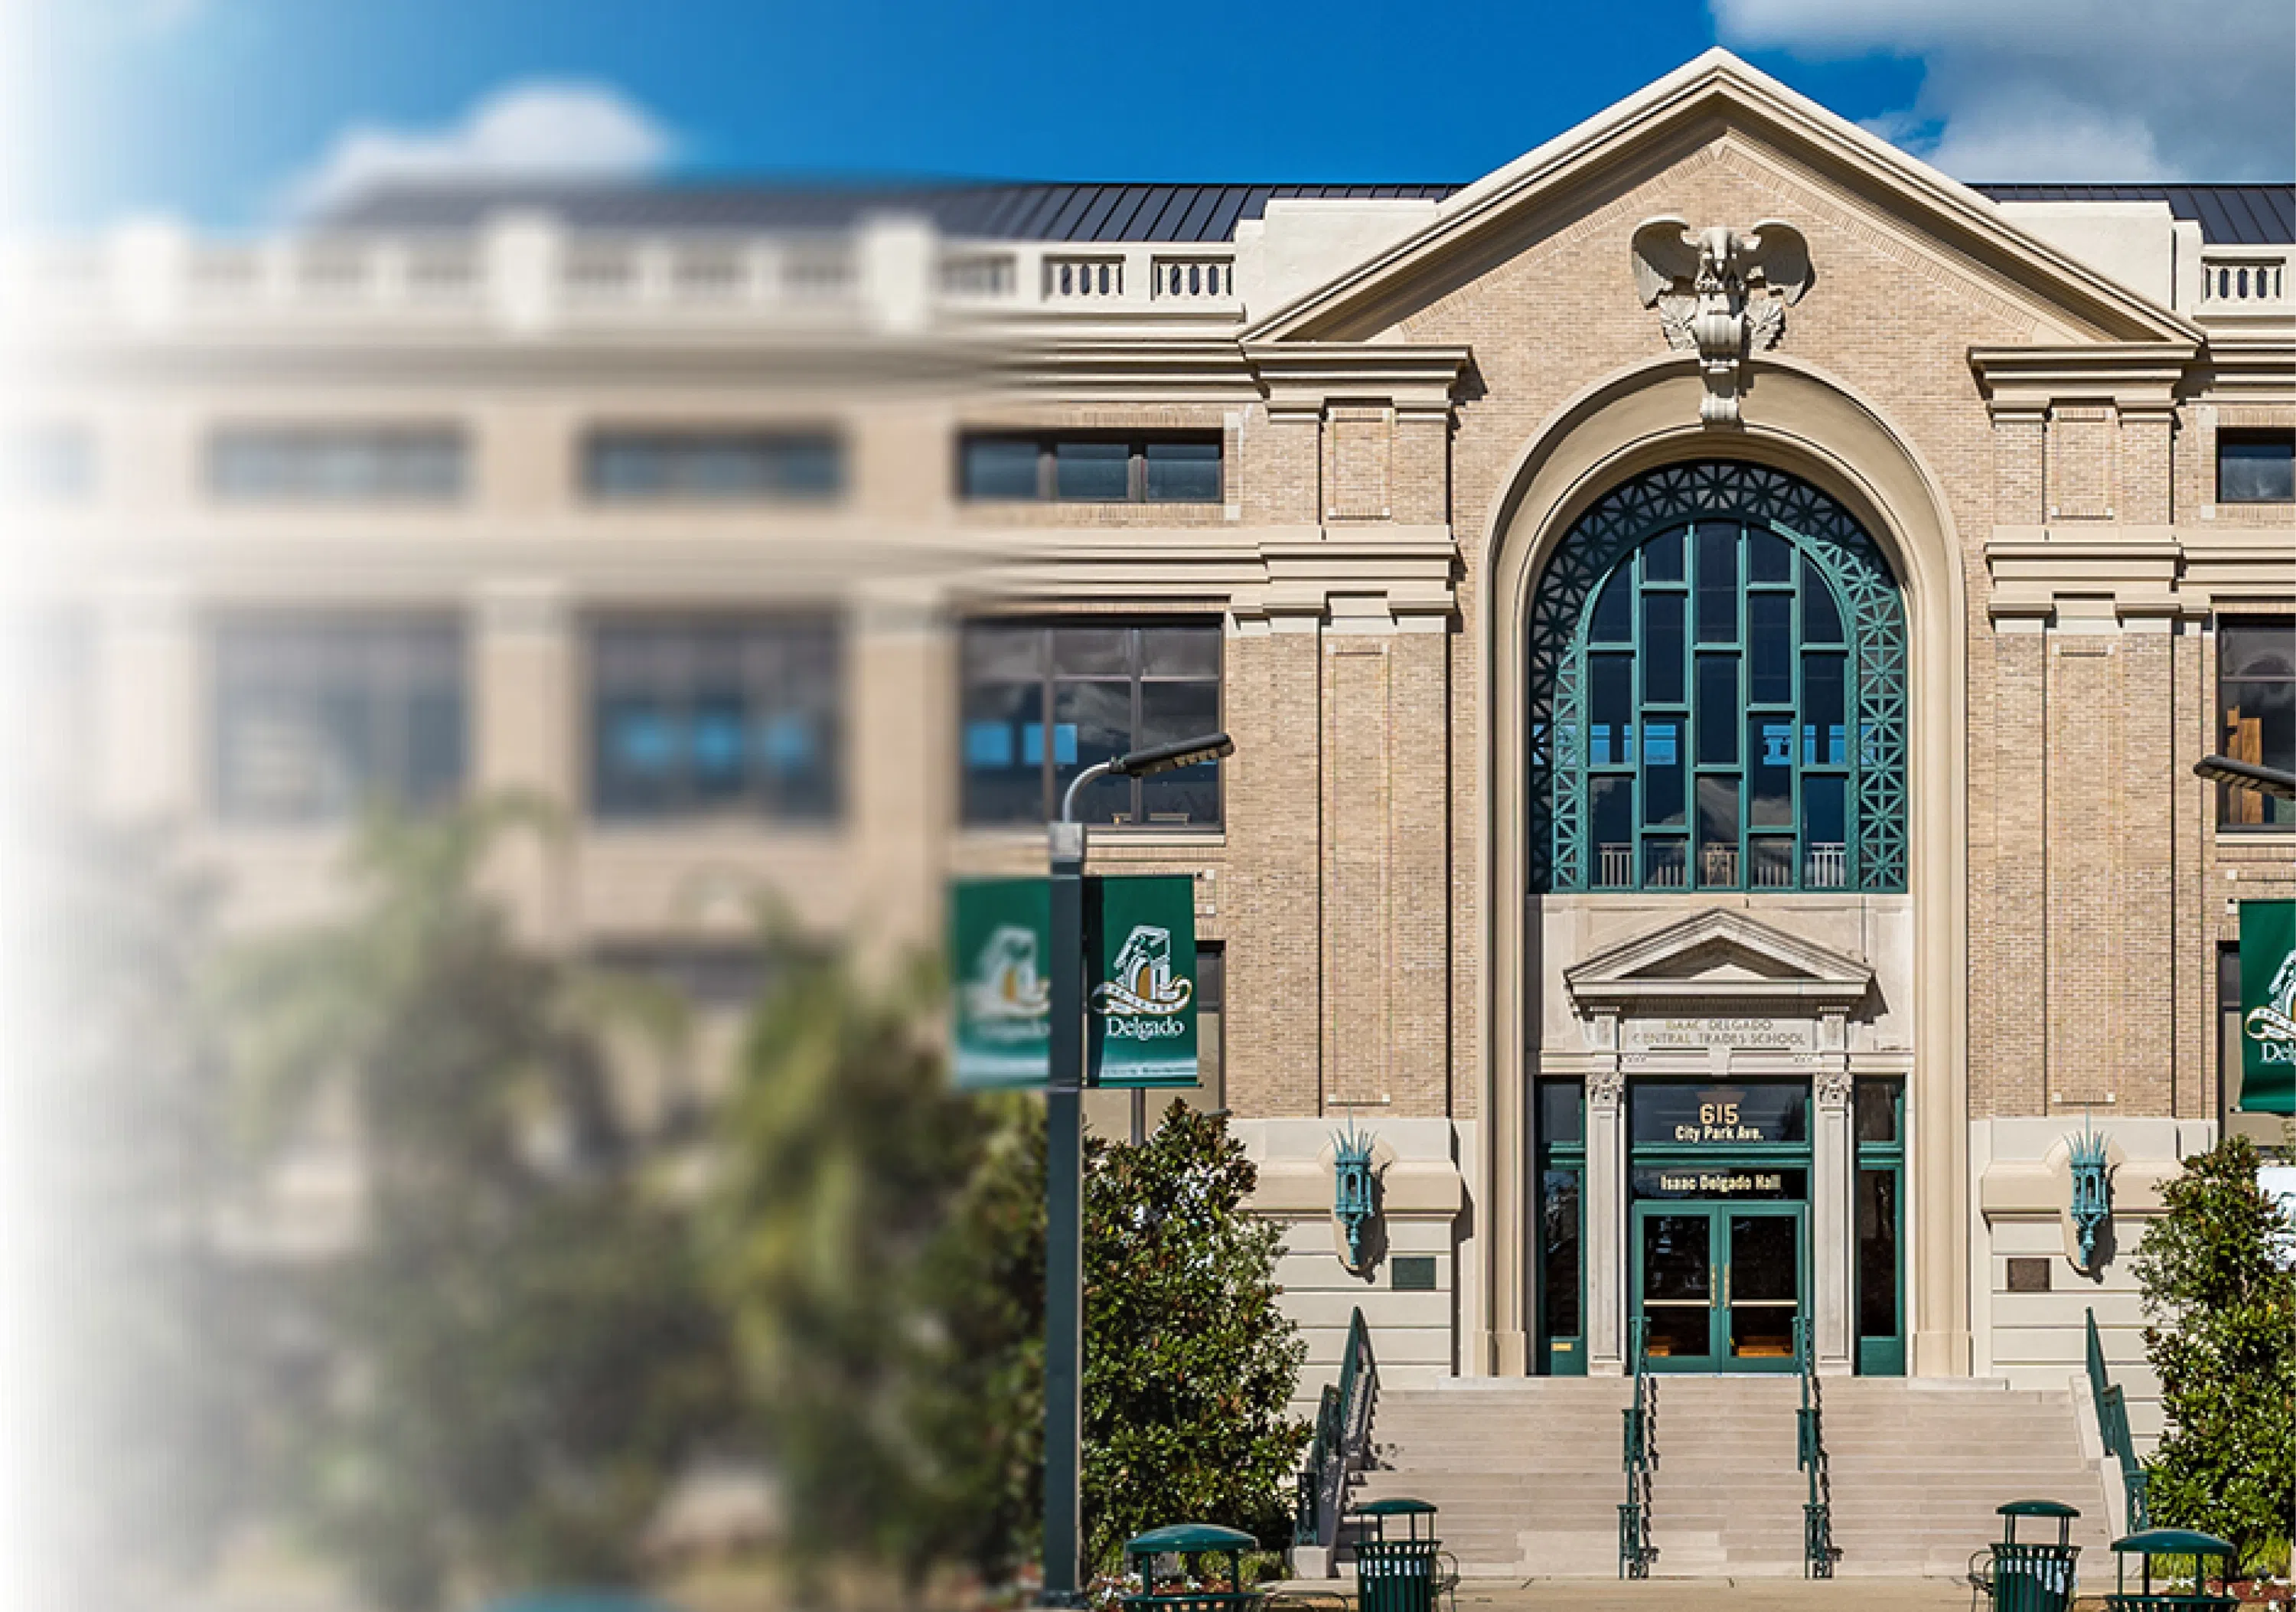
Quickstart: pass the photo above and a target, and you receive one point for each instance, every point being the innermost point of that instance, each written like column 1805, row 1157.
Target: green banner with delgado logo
column 1140, row 951
column 1141, row 935
column 1001, row 986
column 2268, row 1006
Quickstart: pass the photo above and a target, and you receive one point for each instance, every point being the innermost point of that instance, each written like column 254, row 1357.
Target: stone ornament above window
column 1722, row 293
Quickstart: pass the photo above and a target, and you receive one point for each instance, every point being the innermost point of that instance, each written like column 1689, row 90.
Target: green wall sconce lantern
column 1355, row 1188
column 2092, row 1203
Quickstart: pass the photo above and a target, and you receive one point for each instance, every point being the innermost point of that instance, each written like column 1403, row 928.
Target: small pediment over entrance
column 1722, row 958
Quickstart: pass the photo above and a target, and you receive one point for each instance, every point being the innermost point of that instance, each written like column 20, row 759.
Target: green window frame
column 1878, row 1114
column 1718, row 693
column 1562, row 1269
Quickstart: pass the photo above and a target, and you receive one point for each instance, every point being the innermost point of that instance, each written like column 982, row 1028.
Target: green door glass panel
column 1763, row 1286
column 1678, row 1287
column 1718, row 1287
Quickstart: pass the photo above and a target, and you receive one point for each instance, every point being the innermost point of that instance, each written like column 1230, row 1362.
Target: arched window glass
column 1718, row 693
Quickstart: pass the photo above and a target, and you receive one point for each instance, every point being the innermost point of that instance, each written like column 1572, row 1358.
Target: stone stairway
column 1526, row 1472
column 1919, row 1466
column 1524, row 1469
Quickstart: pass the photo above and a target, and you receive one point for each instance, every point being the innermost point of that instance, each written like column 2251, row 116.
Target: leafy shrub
column 2221, row 1298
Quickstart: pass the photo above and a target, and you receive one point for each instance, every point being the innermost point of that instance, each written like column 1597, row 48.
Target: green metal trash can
column 2030, row 1575
column 1193, row 1545
column 2177, row 1542
column 1397, row 1574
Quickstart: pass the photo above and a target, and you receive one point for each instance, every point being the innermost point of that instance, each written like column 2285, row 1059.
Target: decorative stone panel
column 2081, row 461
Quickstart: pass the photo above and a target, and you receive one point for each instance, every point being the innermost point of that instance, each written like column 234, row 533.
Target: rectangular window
column 2256, row 705
column 1041, row 703
column 2228, row 1036
column 1090, row 467
column 317, row 717
column 1561, row 1170
column 47, row 464
column 711, row 465
column 697, row 716
column 1210, row 1094
column 2256, row 466
column 336, row 464
column 1878, row 1125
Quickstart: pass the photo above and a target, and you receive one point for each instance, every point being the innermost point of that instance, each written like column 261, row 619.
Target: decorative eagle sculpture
column 1720, row 292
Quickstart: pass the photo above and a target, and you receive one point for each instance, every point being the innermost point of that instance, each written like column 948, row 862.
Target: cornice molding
column 1718, row 89
column 1305, row 374
column 2247, row 369
column 2136, row 375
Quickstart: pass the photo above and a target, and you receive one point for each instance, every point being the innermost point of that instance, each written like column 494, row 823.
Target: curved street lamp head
column 2247, row 775
column 1140, row 764
column 1180, row 752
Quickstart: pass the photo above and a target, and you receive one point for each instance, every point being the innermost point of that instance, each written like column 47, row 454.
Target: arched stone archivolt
column 1803, row 422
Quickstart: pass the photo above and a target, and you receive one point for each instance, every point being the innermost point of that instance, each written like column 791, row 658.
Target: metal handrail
column 1818, row 1550
column 2112, row 1427
column 1342, row 1444
column 1640, row 1457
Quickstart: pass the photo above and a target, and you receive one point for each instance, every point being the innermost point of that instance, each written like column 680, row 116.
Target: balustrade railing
column 1342, row 1444
column 2250, row 280
column 1075, row 278
column 532, row 272
column 1184, row 279
column 2113, row 1429
column 1636, row 1554
column 1818, row 1550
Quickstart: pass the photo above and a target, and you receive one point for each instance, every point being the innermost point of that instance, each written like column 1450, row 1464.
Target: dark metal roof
column 1002, row 212
column 2242, row 215
column 2229, row 215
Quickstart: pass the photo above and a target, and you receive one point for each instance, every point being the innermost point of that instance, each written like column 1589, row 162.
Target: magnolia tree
column 2220, row 1296
column 1189, row 1363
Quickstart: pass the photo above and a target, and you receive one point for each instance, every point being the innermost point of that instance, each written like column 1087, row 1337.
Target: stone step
column 1526, row 1476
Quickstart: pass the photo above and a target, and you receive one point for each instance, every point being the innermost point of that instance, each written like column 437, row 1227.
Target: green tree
column 518, row 1354
column 977, row 1398
column 2221, row 1294
column 843, row 1154
column 1189, row 1363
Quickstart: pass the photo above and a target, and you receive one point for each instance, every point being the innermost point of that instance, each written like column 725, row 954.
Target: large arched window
column 1717, row 693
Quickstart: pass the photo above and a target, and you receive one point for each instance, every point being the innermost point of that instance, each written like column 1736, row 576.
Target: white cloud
column 523, row 132
column 2063, row 89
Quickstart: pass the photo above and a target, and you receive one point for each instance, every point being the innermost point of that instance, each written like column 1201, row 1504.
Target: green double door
column 1718, row 1287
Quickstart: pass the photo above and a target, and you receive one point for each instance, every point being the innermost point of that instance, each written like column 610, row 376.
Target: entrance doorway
column 1718, row 1287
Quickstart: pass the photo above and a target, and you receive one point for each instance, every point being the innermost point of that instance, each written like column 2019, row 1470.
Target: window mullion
column 1743, row 555
column 1798, row 573
column 1134, row 656
column 1046, row 733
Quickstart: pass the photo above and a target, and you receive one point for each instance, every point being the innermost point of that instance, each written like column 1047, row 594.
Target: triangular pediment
column 1719, row 954
column 1715, row 101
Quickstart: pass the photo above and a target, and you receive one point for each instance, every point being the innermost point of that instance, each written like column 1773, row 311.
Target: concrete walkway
column 1720, row 1594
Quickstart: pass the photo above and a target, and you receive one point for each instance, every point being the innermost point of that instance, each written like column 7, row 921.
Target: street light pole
column 1064, row 1168
column 1064, row 1211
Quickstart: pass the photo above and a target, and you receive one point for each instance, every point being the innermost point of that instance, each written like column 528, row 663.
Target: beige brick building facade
column 1416, row 400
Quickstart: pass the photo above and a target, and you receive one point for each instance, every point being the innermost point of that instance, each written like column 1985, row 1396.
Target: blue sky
column 234, row 112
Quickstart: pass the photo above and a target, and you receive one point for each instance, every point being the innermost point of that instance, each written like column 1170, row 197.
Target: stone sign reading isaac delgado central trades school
column 1140, row 947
